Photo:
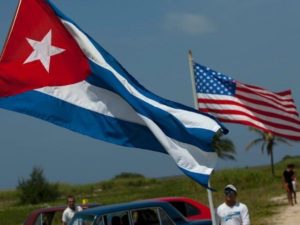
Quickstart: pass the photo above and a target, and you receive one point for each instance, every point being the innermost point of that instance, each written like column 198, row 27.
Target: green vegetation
column 36, row 189
column 224, row 147
column 256, row 187
column 268, row 142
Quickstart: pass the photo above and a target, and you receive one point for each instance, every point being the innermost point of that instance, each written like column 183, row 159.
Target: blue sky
column 256, row 42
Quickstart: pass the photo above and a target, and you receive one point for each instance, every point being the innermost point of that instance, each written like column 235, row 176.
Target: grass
column 256, row 187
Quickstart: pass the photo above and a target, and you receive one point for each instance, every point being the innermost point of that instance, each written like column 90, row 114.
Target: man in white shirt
column 70, row 210
column 232, row 212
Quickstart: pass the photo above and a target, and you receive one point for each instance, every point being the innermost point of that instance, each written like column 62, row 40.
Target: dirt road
column 288, row 215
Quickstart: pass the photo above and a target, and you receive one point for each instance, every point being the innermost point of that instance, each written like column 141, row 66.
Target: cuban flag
column 52, row 70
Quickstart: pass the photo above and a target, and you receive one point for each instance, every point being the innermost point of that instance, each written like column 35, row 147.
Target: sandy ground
column 287, row 215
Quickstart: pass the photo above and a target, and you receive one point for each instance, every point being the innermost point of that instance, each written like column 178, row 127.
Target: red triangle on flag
column 39, row 52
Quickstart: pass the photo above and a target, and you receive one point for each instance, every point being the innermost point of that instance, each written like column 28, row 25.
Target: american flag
column 234, row 102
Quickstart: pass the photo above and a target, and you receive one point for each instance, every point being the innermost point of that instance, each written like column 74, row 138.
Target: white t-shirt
column 235, row 215
column 294, row 185
column 69, row 213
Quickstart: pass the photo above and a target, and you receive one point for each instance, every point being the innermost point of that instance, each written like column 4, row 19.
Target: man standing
column 288, row 177
column 70, row 210
column 232, row 212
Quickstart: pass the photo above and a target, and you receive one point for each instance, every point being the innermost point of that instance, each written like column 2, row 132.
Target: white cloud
column 189, row 23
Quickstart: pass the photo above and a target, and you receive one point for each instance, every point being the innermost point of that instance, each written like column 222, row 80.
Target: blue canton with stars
column 208, row 81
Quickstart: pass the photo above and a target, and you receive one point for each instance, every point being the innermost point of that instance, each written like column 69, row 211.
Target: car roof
column 61, row 208
column 50, row 209
column 184, row 199
column 173, row 198
column 129, row 206
column 34, row 214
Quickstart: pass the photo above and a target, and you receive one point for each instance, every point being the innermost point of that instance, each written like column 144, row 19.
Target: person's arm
column 218, row 218
column 64, row 218
column 294, row 177
column 245, row 216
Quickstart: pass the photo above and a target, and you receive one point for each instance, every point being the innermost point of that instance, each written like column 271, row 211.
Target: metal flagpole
column 209, row 192
column 193, row 79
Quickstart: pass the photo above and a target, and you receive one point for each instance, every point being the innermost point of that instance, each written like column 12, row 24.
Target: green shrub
column 126, row 175
column 107, row 185
column 36, row 189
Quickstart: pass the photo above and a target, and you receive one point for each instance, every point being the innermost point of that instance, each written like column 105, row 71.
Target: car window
column 39, row 220
column 99, row 221
column 147, row 216
column 192, row 210
column 44, row 219
column 117, row 218
column 56, row 219
column 164, row 217
column 186, row 209
column 180, row 206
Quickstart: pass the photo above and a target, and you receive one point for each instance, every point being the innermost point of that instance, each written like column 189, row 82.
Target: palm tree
column 224, row 147
column 268, row 141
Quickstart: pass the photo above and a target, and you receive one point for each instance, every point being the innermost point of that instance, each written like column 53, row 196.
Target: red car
column 189, row 208
column 49, row 216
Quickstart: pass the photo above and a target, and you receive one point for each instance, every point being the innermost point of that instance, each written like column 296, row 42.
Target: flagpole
column 10, row 30
column 209, row 192
column 193, row 79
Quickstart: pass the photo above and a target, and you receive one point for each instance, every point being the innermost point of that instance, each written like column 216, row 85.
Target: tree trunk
column 272, row 162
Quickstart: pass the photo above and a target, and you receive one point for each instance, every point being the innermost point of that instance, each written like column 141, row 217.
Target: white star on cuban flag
column 43, row 50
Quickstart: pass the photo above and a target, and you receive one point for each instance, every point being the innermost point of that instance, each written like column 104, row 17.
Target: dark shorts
column 290, row 187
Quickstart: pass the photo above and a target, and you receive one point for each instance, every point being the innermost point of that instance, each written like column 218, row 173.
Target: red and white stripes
column 254, row 106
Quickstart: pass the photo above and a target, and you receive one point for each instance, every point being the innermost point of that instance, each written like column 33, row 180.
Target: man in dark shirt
column 288, row 175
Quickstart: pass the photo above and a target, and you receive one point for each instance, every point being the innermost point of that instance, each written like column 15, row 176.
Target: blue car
column 147, row 212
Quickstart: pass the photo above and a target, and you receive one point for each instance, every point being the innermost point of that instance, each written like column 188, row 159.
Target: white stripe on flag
column 281, row 104
column 189, row 119
column 216, row 98
column 96, row 99
column 241, row 110
column 84, row 95
column 257, row 123
column 183, row 154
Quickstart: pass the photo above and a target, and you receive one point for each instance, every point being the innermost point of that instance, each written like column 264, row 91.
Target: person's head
column 291, row 166
column 230, row 193
column 71, row 202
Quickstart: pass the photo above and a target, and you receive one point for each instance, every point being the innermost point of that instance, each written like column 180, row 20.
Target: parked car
column 146, row 212
column 190, row 208
column 50, row 215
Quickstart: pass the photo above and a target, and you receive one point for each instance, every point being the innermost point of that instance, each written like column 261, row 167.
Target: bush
column 125, row 175
column 36, row 189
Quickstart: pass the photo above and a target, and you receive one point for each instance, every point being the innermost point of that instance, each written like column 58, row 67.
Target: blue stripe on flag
column 130, row 79
column 92, row 124
column 167, row 122
column 200, row 178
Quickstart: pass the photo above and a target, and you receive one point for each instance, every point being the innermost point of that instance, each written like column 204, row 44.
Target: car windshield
column 83, row 220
